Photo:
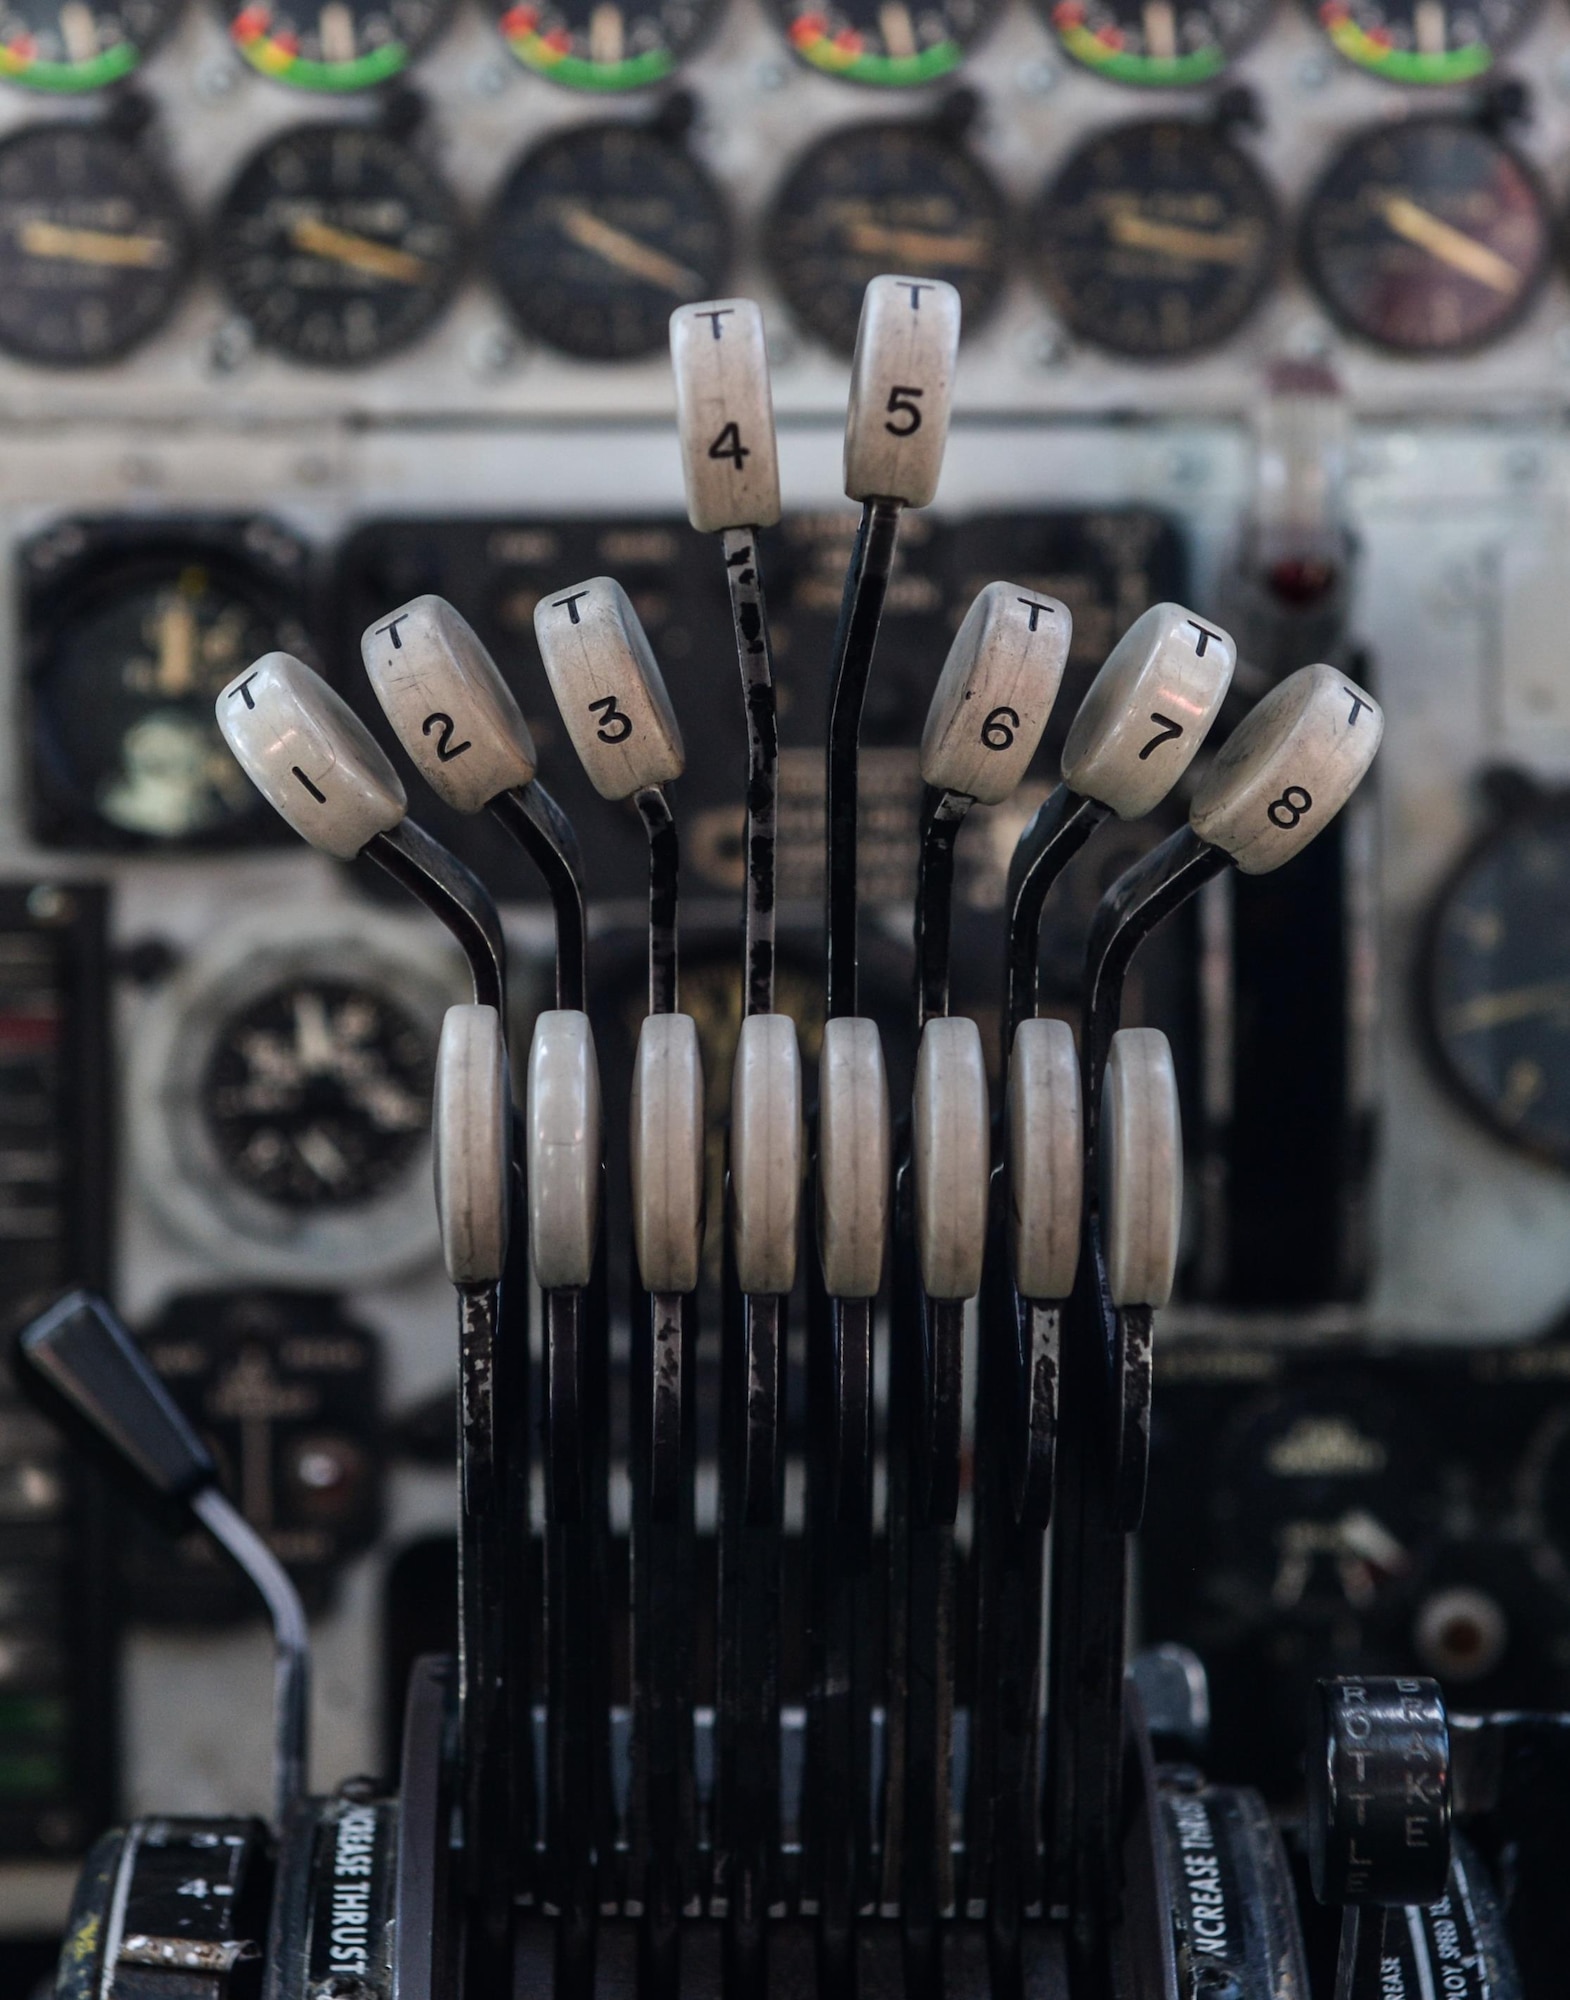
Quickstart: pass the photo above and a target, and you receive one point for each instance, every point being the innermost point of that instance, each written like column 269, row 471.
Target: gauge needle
column 1202, row 246
column 875, row 239
column 313, row 1036
column 1519, row 1003
column 1451, row 246
column 359, row 253
column 92, row 246
column 176, row 648
column 590, row 232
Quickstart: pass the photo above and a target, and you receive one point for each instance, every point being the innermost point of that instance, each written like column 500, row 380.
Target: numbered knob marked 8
column 766, row 1154
column 1379, row 1800
column 565, row 1149
column 995, row 693
column 1141, row 1168
column 901, row 389
column 310, row 755
column 452, row 711
column 471, row 1129
column 949, row 1154
column 667, row 1154
column 608, row 687
column 1045, row 1159
column 725, row 415
column 1288, row 769
column 1148, row 710
column 854, row 1157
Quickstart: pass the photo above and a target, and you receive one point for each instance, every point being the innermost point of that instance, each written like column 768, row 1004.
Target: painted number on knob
column 900, row 404
column 997, row 732
column 729, row 445
column 1166, row 732
column 446, row 749
column 614, row 726
column 1286, row 811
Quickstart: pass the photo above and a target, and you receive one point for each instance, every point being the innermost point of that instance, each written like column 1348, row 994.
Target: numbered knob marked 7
column 766, row 1154
column 854, row 1153
column 668, row 1154
column 565, row 1150
column 608, row 687
column 901, row 390
column 949, row 1155
column 1141, row 1168
column 995, row 693
column 725, row 415
column 1045, row 1159
column 471, row 1128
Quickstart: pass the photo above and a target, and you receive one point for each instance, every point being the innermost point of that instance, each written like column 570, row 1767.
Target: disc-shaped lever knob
column 1046, row 1159
column 667, row 1153
column 608, row 687
column 766, row 1154
column 565, row 1149
column 1379, row 1804
column 995, row 693
column 853, row 1157
column 901, row 389
column 949, row 1154
column 471, row 1129
column 725, row 415
column 1141, row 1168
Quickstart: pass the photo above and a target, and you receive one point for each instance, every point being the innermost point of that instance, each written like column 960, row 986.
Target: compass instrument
column 341, row 45
column 599, row 45
column 1152, row 43
column 884, row 42
column 1424, row 41
column 78, row 46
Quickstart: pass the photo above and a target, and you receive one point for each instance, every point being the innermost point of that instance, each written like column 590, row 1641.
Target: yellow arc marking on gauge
column 590, row 232
column 1495, row 1010
column 93, row 246
column 1451, row 246
column 359, row 253
column 874, row 239
column 1203, row 246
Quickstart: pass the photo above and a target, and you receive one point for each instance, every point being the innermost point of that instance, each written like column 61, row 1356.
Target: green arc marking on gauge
column 891, row 72
column 1152, row 71
column 1403, row 65
column 580, row 73
column 65, row 77
column 263, row 52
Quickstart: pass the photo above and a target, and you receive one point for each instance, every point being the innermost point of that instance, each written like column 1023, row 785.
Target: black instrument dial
column 897, row 197
column 342, row 45
column 599, row 233
column 1424, row 41
column 94, row 247
column 78, row 46
column 338, row 244
column 599, row 45
column 1153, row 44
column 1156, row 240
column 1428, row 237
column 885, row 42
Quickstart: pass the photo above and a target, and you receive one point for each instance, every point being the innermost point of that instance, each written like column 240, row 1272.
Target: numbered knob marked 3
column 1045, row 1159
column 901, row 389
column 854, row 1154
column 949, row 1156
column 766, row 1154
column 725, row 415
column 1141, row 1168
column 668, row 1154
column 565, row 1149
column 608, row 687
column 471, row 1128
column 995, row 693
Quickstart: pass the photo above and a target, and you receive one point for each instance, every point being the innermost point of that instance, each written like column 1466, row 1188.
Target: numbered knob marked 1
column 949, row 1152
column 608, row 687
column 310, row 756
column 766, row 1154
column 453, row 713
column 1148, row 710
column 667, row 1153
column 854, row 1153
column 1288, row 768
column 725, row 415
column 1141, row 1168
column 563, row 1117
column 1046, row 1159
column 995, row 693
column 471, row 1132
column 901, row 389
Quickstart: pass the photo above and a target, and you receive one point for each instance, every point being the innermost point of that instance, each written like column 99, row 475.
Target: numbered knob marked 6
column 310, row 755
column 901, row 389
column 1288, row 769
column 1045, row 1158
column 949, row 1154
column 1148, row 710
column 1141, row 1168
column 1379, row 1804
column 995, row 693
column 766, row 1154
column 453, row 713
column 471, row 1129
column 608, row 687
column 725, row 415
column 667, row 1154
column 854, row 1157
column 565, row 1149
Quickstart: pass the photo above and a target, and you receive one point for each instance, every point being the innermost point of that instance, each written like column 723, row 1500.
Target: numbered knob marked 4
column 1045, row 1158
column 901, row 389
column 471, row 1130
column 949, row 1154
column 443, row 694
column 310, row 755
column 854, row 1157
column 608, row 687
column 995, row 693
column 565, row 1149
column 667, row 1154
column 1148, row 710
column 725, row 415
column 1141, row 1168
column 766, row 1154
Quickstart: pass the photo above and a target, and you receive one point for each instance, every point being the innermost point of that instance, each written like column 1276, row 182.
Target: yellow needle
column 590, row 232
column 1520, row 1003
column 176, row 648
column 359, row 253
column 875, row 239
column 1200, row 246
column 1451, row 246
column 93, row 246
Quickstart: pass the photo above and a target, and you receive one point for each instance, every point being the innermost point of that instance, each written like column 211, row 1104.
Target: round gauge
column 885, row 42
column 78, row 46
column 599, row 233
column 598, row 45
column 1154, row 44
column 342, row 45
column 895, row 197
column 1156, row 240
column 94, row 247
column 338, row 244
column 1424, row 41
column 1427, row 237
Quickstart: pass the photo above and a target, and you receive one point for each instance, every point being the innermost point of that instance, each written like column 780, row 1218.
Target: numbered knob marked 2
column 565, row 1149
column 471, row 1130
column 608, row 687
column 949, row 1154
column 995, row 693
column 766, row 1154
column 725, row 415
column 667, row 1154
column 854, row 1153
column 1141, row 1168
column 1046, row 1159
column 901, row 390
column 310, row 755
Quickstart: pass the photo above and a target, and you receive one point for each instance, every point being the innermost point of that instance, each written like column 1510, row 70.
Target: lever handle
column 901, row 390
column 725, row 415
column 949, row 1142
column 854, row 1150
column 1046, row 1159
column 1379, row 1797
column 1141, row 1145
column 766, row 1158
column 565, row 1150
column 667, row 1154
column 995, row 693
column 471, row 1129
column 609, row 688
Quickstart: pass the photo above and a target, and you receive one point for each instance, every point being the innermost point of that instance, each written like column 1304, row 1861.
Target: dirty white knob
column 853, row 1157
column 563, row 1119
column 1148, row 710
column 1046, row 1159
column 1288, row 768
column 453, row 712
column 1141, row 1168
column 667, row 1153
column 471, row 1129
column 949, row 1152
column 766, row 1153
column 995, row 693
column 725, row 415
column 608, row 687
column 309, row 755
column 901, row 388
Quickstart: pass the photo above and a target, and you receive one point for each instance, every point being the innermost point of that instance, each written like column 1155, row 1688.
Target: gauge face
column 896, row 197
column 340, row 45
column 338, row 244
column 94, row 247
column 889, row 44
column 77, row 46
column 598, row 45
column 1154, row 44
column 1156, row 240
column 1428, row 237
column 600, row 233
column 1424, row 41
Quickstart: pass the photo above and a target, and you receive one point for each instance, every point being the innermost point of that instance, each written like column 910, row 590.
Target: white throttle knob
column 310, row 756
column 1141, row 1168
column 471, row 1128
column 901, row 389
column 608, row 687
column 995, row 693
column 853, row 1157
column 667, row 1153
column 563, row 1117
column 948, row 1143
column 725, row 415
column 766, row 1153
column 1046, row 1159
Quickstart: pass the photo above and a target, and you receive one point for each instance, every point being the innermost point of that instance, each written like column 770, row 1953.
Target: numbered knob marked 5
column 310, row 755
column 1046, row 1159
column 901, row 388
column 608, row 687
column 766, row 1155
column 471, row 1128
column 564, row 1149
column 1141, row 1168
column 725, row 415
column 1148, row 710
column 949, row 1153
column 667, row 1153
column 854, row 1154
column 1288, row 769
column 995, row 693
column 454, row 714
